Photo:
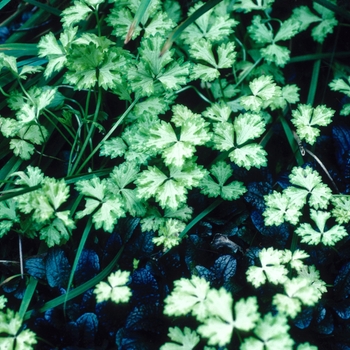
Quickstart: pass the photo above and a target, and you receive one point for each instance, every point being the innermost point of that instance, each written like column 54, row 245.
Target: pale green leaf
column 328, row 237
column 341, row 210
column 183, row 340
column 306, row 119
column 188, row 296
column 251, row 155
column 340, row 85
column 272, row 334
column 249, row 5
column 279, row 208
column 298, row 292
column 219, row 325
column 325, row 27
column 168, row 233
column 55, row 232
column 113, row 148
column 271, row 269
column 8, row 216
column 21, row 148
column 218, row 112
column 304, row 15
column 246, row 314
column 259, row 32
column 248, row 126
column 222, row 172
column 276, row 54
column 115, row 289
column 288, row 29
column 309, row 182
column 74, row 14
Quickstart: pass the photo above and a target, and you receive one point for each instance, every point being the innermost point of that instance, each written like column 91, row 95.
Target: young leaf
column 8, row 216
column 79, row 11
column 113, row 148
column 218, row 112
column 295, row 258
column 272, row 334
column 153, row 69
column 186, row 339
column 245, row 127
column 222, row 172
column 327, row 237
column 219, row 324
column 209, row 26
column 115, row 289
column 168, row 233
column 202, row 50
column 170, row 191
column 313, row 276
column 249, row 5
column 280, row 208
column 304, row 15
column 264, row 91
column 326, row 25
column 341, row 210
column 91, row 63
column 107, row 208
column 153, row 20
column 177, row 149
column 344, row 87
column 271, row 268
column 188, row 296
column 306, row 119
column 12, row 332
column 310, row 184
column 56, row 51
column 259, row 32
column 298, row 292
column 246, row 314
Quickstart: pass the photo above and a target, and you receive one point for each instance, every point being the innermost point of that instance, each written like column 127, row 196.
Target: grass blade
column 195, row 15
column 138, row 16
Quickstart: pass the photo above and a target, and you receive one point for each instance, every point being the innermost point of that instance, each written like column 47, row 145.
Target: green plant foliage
column 12, row 334
column 271, row 333
column 153, row 72
column 321, row 15
column 262, row 34
column 213, row 308
column 211, row 26
column 328, row 237
column 169, row 191
column 306, row 119
column 185, row 339
column 152, row 22
column 106, row 206
column 344, row 87
column 341, row 209
column 150, row 143
column 245, row 127
column 298, row 291
column 116, row 288
column 202, row 50
column 222, row 172
column 271, row 269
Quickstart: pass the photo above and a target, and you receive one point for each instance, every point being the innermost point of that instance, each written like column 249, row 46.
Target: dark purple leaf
column 342, row 282
column 36, row 267
column 88, row 266
column 88, row 326
column 57, row 268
